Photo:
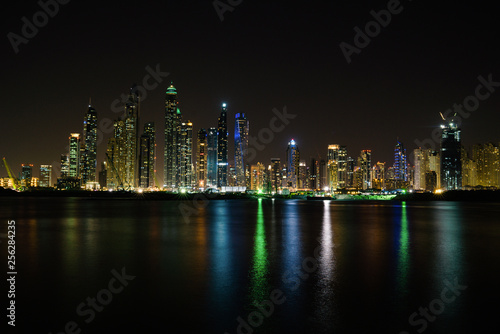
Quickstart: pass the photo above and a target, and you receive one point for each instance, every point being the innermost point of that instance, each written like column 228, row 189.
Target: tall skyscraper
column 400, row 163
column 451, row 164
column 275, row 174
column 240, row 148
column 342, row 167
column 185, row 156
column 147, row 156
column 222, row 160
column 46, row 176
column 333, row 159
column 212, row 157
column 292, row 165
column 131, row 140
column 421, row 159
column 74, row 155
column 89, row 147
column 172, row 133
column 201, row 159
column 365, row 165
column 314, row 175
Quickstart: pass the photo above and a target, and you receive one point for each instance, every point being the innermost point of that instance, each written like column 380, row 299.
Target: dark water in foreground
column 366, row 267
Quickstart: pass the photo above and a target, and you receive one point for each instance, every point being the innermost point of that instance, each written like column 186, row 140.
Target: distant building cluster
column 130, row 162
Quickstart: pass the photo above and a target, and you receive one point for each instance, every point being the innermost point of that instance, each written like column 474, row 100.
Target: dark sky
column 264, row 55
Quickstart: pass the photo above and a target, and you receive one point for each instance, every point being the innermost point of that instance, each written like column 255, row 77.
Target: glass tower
column 89, row 147
column 240, row 148
column 222, row 135
column 212, row 157
column 451, row 164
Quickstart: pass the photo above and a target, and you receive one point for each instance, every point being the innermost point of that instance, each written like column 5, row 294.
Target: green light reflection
column 404, row 252
column 260, row 262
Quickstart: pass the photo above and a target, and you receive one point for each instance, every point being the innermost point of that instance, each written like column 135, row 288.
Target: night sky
column 263, row 55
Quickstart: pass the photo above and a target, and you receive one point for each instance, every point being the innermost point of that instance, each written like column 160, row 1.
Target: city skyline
column 77, row 162
column 397, row 85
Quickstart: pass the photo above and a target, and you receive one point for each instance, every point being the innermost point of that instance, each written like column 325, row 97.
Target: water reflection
column 403, row 266
column 260, row 262
column 324, row 290
column 448, row 221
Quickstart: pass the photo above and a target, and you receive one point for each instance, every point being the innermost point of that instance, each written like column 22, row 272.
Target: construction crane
column 118, row 179
column 15, row 180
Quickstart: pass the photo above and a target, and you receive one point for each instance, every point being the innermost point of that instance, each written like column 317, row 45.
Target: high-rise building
column 131, row 140
column 45, row 175
column 172, row 134
column 365, row 164
column 240, row 148
column 275, row 174
column 292, row 165
column 378, row 175
column 222, row 157
column 212, row 158
column 65, row 165
column 451, row 164
column 302, row 177
column 421, row 159
column 333, row 165
column 147, row 156
column 350, row 166
column 400, row 163
column 342, row 167
column 314, row 175
column 26, row 174
column 486, row 161
column 257, row 177
column 201, row 159
column 185, row 158
column 74, row 155
column 89, row 146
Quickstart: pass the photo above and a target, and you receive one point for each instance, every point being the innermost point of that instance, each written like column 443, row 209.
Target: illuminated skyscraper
column 421, row 159
column 131, row 139
column 46, row 176
column 275, row 174
column 333, row 164
column 240, row 148
column 26, row 174
column 365, row 165
column 64, row 165
column 201, row 159
column 185, row 156
column 400, row 163
column 89, row 147
column 212, row 157
column 292, row 165
column 451, row 164
column 222, row 148
column 147, row 156
column 172, row 133
column 74, row 155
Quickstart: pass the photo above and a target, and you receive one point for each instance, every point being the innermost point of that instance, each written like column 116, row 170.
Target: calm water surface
column 337, row 267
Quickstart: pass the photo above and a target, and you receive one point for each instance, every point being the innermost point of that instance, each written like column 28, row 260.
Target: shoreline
column 456, row 195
